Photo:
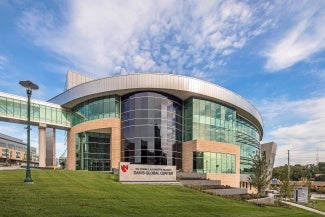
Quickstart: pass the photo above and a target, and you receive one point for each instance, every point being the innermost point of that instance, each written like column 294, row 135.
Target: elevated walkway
column 47, row 116
column 14, row 109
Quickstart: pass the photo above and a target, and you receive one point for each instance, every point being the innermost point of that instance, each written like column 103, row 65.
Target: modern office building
column 159, row 119
column 155, row 119
column 13, row 152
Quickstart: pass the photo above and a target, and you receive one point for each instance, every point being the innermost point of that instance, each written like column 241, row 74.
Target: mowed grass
column 83, row 193
column 317, row 204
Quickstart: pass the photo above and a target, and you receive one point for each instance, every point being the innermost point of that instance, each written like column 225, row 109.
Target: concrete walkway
column 317, row 196
column 10, row 168
column 304, row 207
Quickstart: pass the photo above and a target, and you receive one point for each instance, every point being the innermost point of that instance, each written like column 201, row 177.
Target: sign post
column 300, row 195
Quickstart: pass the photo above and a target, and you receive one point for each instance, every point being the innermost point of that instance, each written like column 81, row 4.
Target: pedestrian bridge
column 14, row 109
column 47, row 116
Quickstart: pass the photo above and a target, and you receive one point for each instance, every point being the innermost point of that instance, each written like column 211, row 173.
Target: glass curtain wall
column 93, row 151
column 97, row 108
column 152, row 129
column 248, row 138
column 212, row 121
column 209, row 121
column 210, row 162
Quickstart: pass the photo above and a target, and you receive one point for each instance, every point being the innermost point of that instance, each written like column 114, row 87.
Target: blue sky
column 270, row 52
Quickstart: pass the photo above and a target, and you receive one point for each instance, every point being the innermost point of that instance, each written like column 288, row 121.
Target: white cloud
column 168, row 36
column 305, row 36
column 3, row 62
column 296, row 126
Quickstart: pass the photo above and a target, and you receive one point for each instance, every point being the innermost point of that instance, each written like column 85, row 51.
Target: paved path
column 304, row 207
column 318, row 196
column 10, row 168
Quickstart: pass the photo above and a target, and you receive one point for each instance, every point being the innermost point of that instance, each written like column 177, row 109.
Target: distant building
column 13, row 152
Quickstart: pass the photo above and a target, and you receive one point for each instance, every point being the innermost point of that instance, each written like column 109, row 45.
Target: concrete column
column 42, row 144
column 71, row 151
column 50, row 147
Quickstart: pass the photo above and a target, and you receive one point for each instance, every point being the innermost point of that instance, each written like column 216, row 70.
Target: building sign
column 300, row 195
column 146, row 173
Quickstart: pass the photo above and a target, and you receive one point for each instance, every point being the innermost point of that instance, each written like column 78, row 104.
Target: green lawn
column 318, row 204
column 82, row 193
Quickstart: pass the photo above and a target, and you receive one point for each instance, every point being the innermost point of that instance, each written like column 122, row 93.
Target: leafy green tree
column 299, row 171
column 286, row 189
column 321, row 167
column 296, row 172
column 260, row 176
column 280, row 172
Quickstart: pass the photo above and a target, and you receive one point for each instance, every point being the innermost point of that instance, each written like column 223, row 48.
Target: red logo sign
column 124, row 168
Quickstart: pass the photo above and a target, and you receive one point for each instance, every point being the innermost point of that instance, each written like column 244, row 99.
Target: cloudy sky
column 270, row 52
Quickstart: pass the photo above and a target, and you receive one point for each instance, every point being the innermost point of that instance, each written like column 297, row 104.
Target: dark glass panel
column 153, row 125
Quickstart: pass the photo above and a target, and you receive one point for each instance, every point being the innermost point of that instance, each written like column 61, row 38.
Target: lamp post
column 29, row 87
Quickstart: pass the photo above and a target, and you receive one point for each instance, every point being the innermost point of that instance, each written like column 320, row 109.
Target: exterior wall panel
column 169, row 82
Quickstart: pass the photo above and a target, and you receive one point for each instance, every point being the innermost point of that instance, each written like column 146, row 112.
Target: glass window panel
column 48, row 113
column 223, row 163
column 229, row 163
column 202, row 107
column 213, row 162
column 218, row 111
column 10, row 107
column 16, row 108
column 35, row 111
column 233, row 163
column 3, row 105
column 196, row 108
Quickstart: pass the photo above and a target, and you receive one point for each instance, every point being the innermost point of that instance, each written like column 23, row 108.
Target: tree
column 261, row 175
column 321, row 167
column 296, row 172
column 280, row 172
column 286, row 189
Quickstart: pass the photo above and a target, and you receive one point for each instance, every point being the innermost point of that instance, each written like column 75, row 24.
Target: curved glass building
column 160, row 119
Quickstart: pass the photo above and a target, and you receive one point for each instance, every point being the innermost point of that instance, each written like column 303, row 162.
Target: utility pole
column 288, row 165
column 317, row 159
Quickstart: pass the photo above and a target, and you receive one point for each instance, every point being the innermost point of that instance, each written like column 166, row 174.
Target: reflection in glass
column 210, row 162
column 152, row 129
column 93, row 151
column 207, row 120
column 97, row 108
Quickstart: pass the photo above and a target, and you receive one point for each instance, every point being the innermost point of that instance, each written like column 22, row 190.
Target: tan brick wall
column 232, row 180
column 105, row 125
column 212, row 146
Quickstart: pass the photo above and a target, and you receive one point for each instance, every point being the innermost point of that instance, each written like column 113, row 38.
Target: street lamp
column 29, row 87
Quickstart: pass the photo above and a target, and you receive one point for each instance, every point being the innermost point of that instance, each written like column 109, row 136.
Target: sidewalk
column 304, row 207
column 10, row 168
column 318, row 196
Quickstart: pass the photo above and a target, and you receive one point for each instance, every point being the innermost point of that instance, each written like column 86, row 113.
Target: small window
column 5, row 152
column 17, row 154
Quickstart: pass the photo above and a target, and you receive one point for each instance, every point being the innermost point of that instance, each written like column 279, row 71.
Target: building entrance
column 93, row 151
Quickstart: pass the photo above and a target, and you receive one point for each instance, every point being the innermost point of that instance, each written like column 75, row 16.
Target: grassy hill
column 83, row 193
